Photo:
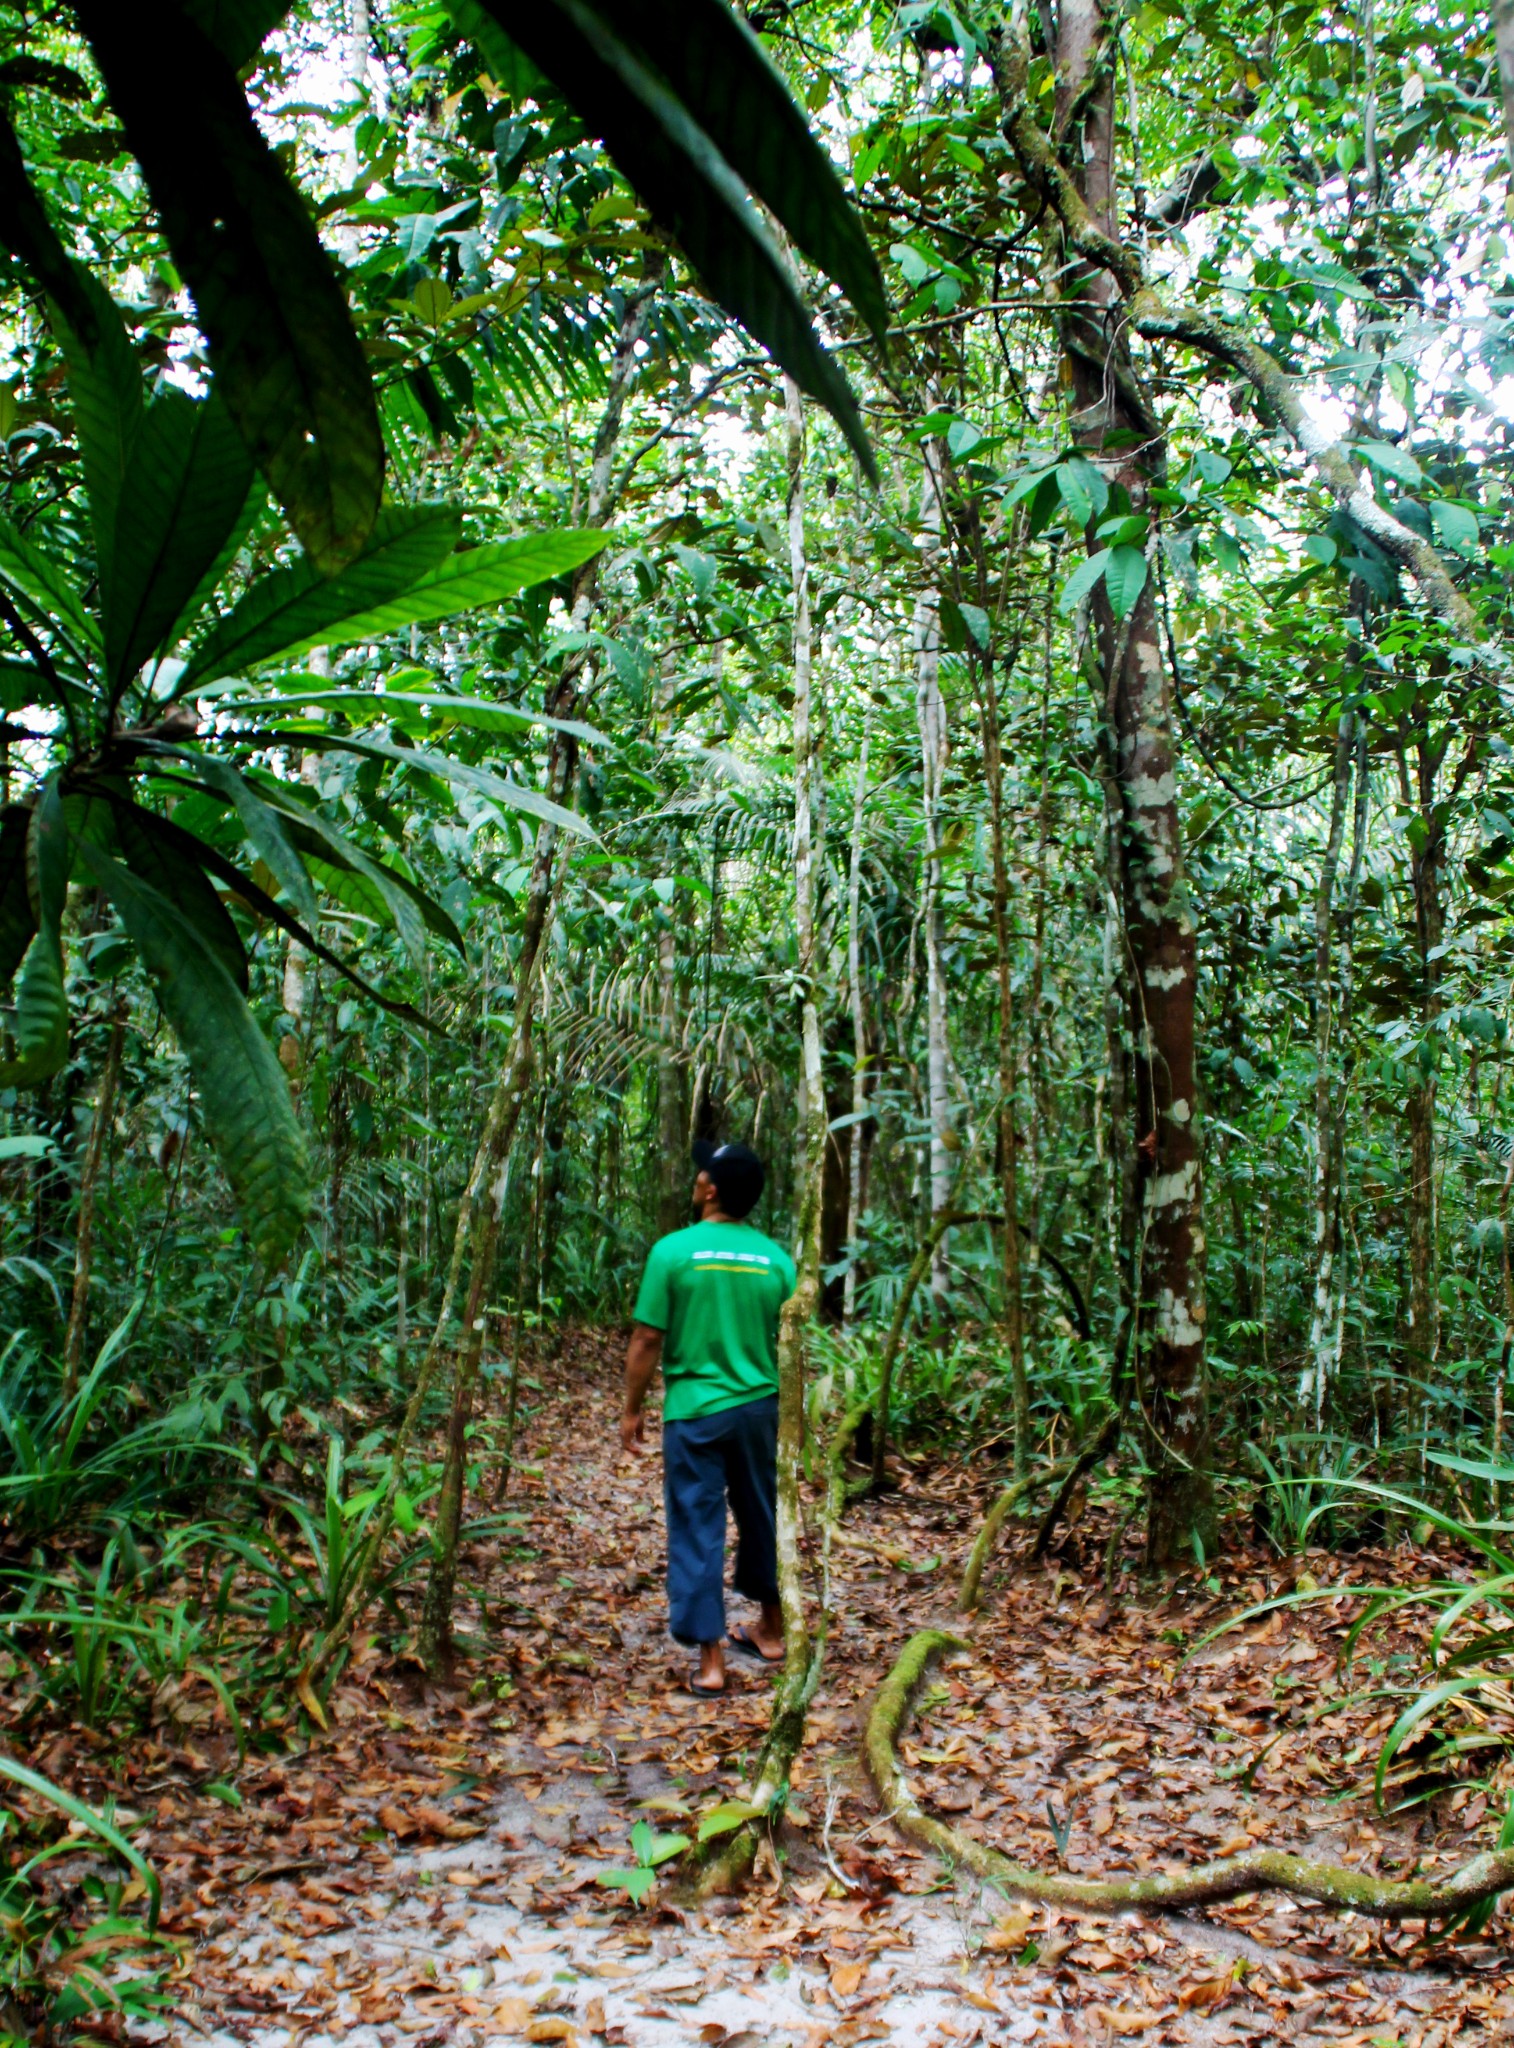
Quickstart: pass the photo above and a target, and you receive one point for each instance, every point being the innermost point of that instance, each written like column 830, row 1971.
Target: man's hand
column 641, row 1363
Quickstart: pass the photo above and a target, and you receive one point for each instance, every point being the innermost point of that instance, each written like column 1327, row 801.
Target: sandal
column 740, row 1639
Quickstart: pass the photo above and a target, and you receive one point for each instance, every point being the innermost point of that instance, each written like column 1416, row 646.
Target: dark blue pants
column 707, row 1461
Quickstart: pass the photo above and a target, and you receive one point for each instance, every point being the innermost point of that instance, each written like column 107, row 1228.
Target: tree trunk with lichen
column 799, row 1310
column 1426, row 855
column 1115, row 426
column 672, row 1128
column 95, row 1152
column 1329, row 1113
column 803, row 1648
column 857, row 1146
column 930, row 712
column 1009, row 1137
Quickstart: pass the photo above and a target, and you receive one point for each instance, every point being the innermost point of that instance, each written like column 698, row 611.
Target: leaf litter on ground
column 429, row 1868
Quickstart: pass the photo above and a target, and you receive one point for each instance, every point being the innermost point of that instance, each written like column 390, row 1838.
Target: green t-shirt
column 715, row 1290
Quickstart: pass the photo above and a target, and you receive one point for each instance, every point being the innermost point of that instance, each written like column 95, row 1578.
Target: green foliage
column 1304, row 1489
column 689, row 106
column 64, row 1456
column 287, row 361
column 651, row 1850
column 55, row 1976
column 250, row 782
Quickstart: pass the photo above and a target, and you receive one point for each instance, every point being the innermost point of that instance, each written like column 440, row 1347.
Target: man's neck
column 718, row 1215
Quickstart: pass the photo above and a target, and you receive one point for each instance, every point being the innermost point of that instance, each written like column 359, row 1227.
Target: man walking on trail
column 708, row 1310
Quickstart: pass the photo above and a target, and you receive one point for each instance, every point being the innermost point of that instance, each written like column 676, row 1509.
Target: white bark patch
column 1164, row 978
column 1168, row 1190
column 1153, row 792
column 1180, row 1111
column 1177, row 1321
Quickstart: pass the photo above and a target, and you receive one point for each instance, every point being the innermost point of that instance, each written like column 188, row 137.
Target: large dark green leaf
column 512, row 795
column 183, row 494
column 417, row 708
column 105, row 386
column 33, row 240
column 266, row 832
column 297, row 607
column 22, row 684
column 320, row 842
column 470, row 579
column 287, row 360
column 18, row 921
column 237, row 27
column 261, row 904
column 244, row 1098
column 231, row 547
column 722, row 74
column 46, row 591
column 681, row 174
column 167, row 859
column 310, row 841
column 294, row 617
column 41, row 1019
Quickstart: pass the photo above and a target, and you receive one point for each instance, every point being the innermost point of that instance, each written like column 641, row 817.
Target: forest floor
column 425, row 1872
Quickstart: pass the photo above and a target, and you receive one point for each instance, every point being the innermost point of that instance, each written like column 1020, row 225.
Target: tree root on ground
column 1101, row 1446
column 724, row 1864
column 994, row 1521
column 1258, row 1870
column 839, row 1490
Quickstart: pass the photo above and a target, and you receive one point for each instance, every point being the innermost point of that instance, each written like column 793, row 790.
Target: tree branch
column 1155, row 320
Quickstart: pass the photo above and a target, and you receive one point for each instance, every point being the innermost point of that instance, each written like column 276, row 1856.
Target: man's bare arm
column 642, row 1358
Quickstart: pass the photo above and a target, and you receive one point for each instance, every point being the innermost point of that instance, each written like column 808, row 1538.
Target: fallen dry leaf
column 1209, row 1991
column 846, row 1977
column 1125, row 2019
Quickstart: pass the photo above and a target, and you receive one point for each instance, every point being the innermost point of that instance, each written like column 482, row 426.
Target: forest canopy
column 924, row 589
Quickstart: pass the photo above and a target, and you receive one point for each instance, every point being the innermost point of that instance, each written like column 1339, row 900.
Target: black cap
column 736, row 1171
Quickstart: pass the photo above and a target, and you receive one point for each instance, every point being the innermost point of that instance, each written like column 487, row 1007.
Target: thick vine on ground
column 1258, row 1870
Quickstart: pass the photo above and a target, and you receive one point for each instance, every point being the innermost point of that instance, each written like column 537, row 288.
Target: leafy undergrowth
column 430, row 1868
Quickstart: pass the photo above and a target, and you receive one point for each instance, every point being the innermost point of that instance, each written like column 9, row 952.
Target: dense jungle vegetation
column 927, row 588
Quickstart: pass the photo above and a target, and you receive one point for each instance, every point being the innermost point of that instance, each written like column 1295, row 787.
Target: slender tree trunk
column 95, row 1153
column 297, row 959
column 402, row 1264
column 1346, row 989
column 1115, row 425
column 857, row 1148
column 1122, row 1186
column 1503, row 29
column 1426, row 850
column 476, row 1236
column 1506, row 1344
column 802, row 1650
column 672, row 1145
column 930, row 711
column 1009, row 1172
column 1040, row 1109
column 1326, row 1084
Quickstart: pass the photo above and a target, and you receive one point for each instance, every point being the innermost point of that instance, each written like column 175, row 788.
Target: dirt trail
column 424, row 1873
